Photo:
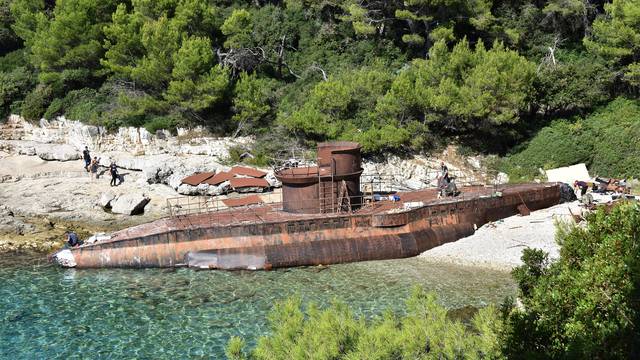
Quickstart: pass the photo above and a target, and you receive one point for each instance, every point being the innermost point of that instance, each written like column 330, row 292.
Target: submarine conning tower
column 332, row 186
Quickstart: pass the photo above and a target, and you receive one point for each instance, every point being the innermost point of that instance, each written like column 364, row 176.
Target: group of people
column 446, row 185
column 91, row 166
column 601, row 185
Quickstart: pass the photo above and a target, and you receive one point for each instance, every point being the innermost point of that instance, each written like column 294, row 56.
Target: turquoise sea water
column 47, row 312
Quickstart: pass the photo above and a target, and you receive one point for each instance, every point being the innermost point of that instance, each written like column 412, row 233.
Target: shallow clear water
column 47, row 312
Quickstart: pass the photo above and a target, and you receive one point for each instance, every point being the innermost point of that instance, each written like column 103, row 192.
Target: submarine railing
column 215, row 212
column 370, row 186
column 190, row 205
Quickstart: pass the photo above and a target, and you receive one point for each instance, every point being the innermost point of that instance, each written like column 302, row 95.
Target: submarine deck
column 272, row 212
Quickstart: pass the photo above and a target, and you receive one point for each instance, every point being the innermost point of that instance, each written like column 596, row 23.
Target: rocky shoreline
column 44, row 189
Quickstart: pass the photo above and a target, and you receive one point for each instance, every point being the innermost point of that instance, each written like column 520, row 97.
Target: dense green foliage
column 604, row 140
column 394, row 75
column 425, row 332
column 587, row 304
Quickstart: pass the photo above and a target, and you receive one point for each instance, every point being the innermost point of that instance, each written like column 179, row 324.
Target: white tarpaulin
column 568, row 174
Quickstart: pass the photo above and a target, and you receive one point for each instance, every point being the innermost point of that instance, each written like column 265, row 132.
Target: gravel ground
column 499, row 245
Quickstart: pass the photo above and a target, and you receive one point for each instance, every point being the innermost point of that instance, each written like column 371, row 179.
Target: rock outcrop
column 163, row 158
column 11, row 224
column 219, row 189
column 57, row 152
column 419, row 171
column 131, row 140
column 186, row 189
column 129, row 204
column 105, row 200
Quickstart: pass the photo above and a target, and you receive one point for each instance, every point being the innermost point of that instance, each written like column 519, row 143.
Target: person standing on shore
column 94, row 168
column 444, row 172
column 113, row 169
column 86, row 155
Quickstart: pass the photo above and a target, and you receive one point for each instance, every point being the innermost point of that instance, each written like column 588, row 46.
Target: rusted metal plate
column 389, row 220
column 238, row 183
column 219, row 178
column 247, row 200
column 247, row 171
column 523, row 210
column 325, row 150
column 300, row 198
column 347, row 161
column 197, row 179
column 305, row 171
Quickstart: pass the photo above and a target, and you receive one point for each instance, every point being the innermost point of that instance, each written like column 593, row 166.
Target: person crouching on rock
column 113, row 169
column 87, row 158
column 72, row 239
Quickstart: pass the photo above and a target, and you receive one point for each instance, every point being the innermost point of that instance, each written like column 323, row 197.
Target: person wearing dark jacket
column 582, row 185
column 87, row 158
column 113, row 169
column 72, row 239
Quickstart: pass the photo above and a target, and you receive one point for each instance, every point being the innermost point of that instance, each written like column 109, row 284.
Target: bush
column 266, row 147
column 12, row 85
column 12, row 60
column 36, row 102
column 578, row 82
column 56, row 108
column 587, row 304
column 85, row 105
column 235, row 154
column 342, row 108
column 135, row 109
column 559, row 144
column 425, row 332
column 161, row 123
column 614, row 132
column 605, row 141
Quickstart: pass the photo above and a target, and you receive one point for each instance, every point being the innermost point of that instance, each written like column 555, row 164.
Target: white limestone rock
column 219, row 189
column 250, row 190
column 128, row 140
column 9, row 223
column 272, row 180
column 475, row 162
column 97, row 238
column 25, row 148
column 130, row 204
column 202, row 189
column 502, row 178
column 186, row 189
column 414, row 184
column 105, row 200
column 175, row 179
column 57, row 152
column 157, row 173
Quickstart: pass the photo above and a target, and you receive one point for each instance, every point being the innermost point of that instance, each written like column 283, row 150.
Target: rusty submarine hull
column 324, row 218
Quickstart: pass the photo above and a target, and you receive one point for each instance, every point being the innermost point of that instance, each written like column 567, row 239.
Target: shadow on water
column 49, row 312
